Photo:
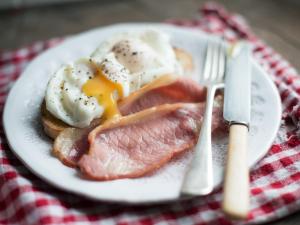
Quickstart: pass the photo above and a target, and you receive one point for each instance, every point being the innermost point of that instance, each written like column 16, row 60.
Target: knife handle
column 236, row 184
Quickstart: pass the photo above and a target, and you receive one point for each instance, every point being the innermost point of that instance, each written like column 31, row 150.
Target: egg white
column 66, row 101
column 148, row 54
column 130, row 59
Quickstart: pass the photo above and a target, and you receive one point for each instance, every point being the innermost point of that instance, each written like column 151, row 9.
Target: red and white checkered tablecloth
column 275, row 180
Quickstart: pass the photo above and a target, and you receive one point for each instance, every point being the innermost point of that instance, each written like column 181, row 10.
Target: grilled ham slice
column 140, row 143
column 72, row 143
column 166, row 89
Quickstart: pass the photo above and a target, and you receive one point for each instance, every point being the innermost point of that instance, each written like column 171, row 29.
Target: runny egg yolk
column 104, row 90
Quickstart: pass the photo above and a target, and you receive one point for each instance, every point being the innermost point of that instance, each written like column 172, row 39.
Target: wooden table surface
column 276, row 22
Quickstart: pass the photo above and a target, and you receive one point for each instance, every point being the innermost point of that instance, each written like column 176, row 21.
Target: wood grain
column 275, row 21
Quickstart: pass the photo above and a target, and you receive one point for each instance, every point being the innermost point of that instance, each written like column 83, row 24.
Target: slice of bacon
column 72, row 143
column 166, row 89
column 135, row 145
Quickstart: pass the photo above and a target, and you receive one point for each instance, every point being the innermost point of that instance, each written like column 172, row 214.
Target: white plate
column 29, row 143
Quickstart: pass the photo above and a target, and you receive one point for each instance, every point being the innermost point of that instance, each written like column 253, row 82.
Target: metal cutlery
column 199, row 178
column 237, row 113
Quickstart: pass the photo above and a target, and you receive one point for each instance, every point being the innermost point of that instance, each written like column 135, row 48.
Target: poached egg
column 90, row 88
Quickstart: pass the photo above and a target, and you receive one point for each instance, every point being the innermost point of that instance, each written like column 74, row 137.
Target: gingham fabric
column 275, row 180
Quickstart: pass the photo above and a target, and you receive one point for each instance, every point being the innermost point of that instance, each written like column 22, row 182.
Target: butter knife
column 237, row 105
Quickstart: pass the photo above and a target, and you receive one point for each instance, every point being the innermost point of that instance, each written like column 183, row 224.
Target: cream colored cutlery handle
column 236, row 184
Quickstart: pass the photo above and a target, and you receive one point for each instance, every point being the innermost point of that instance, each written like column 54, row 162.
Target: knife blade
column 238, row 86
column 237, row 107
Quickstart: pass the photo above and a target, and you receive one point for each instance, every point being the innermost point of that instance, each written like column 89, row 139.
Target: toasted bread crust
column 185, row 59
column 53, row 126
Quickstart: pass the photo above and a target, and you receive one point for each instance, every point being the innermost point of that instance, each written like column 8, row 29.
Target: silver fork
column 199, row 177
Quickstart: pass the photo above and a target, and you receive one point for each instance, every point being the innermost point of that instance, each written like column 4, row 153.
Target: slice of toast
column 185, row 59
column 53, row 126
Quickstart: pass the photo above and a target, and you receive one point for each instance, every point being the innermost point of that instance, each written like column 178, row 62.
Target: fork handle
column 199, row 178
column 236, row 185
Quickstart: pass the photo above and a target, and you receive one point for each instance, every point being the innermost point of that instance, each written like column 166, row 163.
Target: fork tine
column 222, row 58
column 215, row 63
column 214, row 66
column 208, row 62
